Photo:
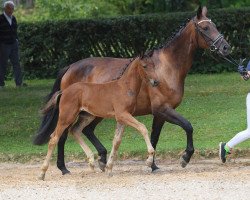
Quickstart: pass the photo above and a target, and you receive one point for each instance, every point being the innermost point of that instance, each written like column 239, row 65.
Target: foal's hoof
column 92, row 167
column 41, row 177
column 149, row 162
column 183, row 162
column 102, row 165
column 109, row 172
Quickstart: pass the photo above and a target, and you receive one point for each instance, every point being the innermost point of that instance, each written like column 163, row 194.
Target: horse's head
column 207, row 34
column 147, row 69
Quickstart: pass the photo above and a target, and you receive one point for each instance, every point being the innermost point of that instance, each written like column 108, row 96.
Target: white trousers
column 243, row 135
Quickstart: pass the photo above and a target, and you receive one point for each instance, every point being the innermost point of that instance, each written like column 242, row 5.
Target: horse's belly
column 143, row 104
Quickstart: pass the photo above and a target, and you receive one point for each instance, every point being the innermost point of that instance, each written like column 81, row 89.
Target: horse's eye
column 206, row 28
column 144, row 66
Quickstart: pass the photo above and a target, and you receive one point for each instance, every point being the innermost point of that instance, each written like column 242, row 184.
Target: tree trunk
column 29, row 3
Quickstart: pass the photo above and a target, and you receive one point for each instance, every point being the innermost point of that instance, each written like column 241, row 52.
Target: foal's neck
column 131, row 77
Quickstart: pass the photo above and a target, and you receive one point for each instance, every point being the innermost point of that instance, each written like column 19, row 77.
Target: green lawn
column 214, row 104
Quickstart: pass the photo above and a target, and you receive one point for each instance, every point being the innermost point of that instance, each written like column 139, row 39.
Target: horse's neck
column 131, row 78
column 181, row 51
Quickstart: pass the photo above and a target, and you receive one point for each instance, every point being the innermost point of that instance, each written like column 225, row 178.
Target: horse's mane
column 171, row 39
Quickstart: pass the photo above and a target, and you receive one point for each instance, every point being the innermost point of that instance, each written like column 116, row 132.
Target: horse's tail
column 50, row 112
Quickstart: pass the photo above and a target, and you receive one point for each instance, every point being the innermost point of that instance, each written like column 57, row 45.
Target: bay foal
column 115, row 99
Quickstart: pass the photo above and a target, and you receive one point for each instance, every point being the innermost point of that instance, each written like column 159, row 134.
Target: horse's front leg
column 171, row 116
column 155, row 134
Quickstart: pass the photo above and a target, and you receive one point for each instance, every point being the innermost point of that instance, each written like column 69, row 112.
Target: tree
column 30, row 10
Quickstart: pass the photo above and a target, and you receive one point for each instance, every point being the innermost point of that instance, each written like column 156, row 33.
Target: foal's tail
column 50, row 112
column 52, row 103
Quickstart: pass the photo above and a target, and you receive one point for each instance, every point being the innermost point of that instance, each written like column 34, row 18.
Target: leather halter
column 212, row 43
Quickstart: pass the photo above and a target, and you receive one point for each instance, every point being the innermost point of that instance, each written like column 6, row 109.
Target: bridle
column 212, row 43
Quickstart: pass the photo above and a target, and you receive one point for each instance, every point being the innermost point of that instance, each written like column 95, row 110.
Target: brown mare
column 115, row 99
column 172, row 62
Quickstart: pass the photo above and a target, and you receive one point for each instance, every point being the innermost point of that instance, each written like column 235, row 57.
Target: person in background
column 225, row 148
column 9, row 45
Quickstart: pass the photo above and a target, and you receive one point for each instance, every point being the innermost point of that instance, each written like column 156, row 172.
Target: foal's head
column 207, row 34
column 147, row 69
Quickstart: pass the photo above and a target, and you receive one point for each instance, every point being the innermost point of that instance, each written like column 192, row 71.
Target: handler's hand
column 246, row 76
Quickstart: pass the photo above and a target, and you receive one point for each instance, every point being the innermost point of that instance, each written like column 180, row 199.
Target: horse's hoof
column 41, row 177
column 102, row 165
column 154, row 167
column 183, row 162
column 65, row 171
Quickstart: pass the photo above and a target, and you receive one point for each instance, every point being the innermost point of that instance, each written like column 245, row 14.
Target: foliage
column 72, row 9
column 48, row 46
column 214, row 104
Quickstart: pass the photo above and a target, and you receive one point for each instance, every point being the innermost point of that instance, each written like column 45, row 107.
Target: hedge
column 46, row 47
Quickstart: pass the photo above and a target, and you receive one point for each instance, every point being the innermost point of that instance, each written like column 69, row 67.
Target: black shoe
column 222, row 152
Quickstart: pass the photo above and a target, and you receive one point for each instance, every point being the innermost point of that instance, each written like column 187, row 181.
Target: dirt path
column 201, row 179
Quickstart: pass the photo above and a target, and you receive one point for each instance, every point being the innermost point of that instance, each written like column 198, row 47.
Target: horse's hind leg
column 51, row 146
column 102, row 152
column 131, row 121
column 84, row 119
column 60, row 153
column 116, row 143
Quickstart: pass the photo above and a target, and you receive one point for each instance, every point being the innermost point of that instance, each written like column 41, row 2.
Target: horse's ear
column 141, row 55
column 204, row 11
column 199, row 12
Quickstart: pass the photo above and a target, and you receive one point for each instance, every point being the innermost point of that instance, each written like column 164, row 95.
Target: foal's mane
column 142, row 55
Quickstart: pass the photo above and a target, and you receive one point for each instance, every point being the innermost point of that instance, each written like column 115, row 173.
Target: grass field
column 214, row 104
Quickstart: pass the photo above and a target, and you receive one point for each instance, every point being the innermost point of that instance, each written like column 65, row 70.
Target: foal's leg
column 51, row 146
column 68, row 113
column 76, row 130
column 131, row 121
column 116, row 143
column 89, row 133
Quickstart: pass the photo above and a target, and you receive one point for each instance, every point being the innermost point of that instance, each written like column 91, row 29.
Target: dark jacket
column 8, row 34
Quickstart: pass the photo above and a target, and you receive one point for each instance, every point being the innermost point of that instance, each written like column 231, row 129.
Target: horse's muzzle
column 224, row 48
